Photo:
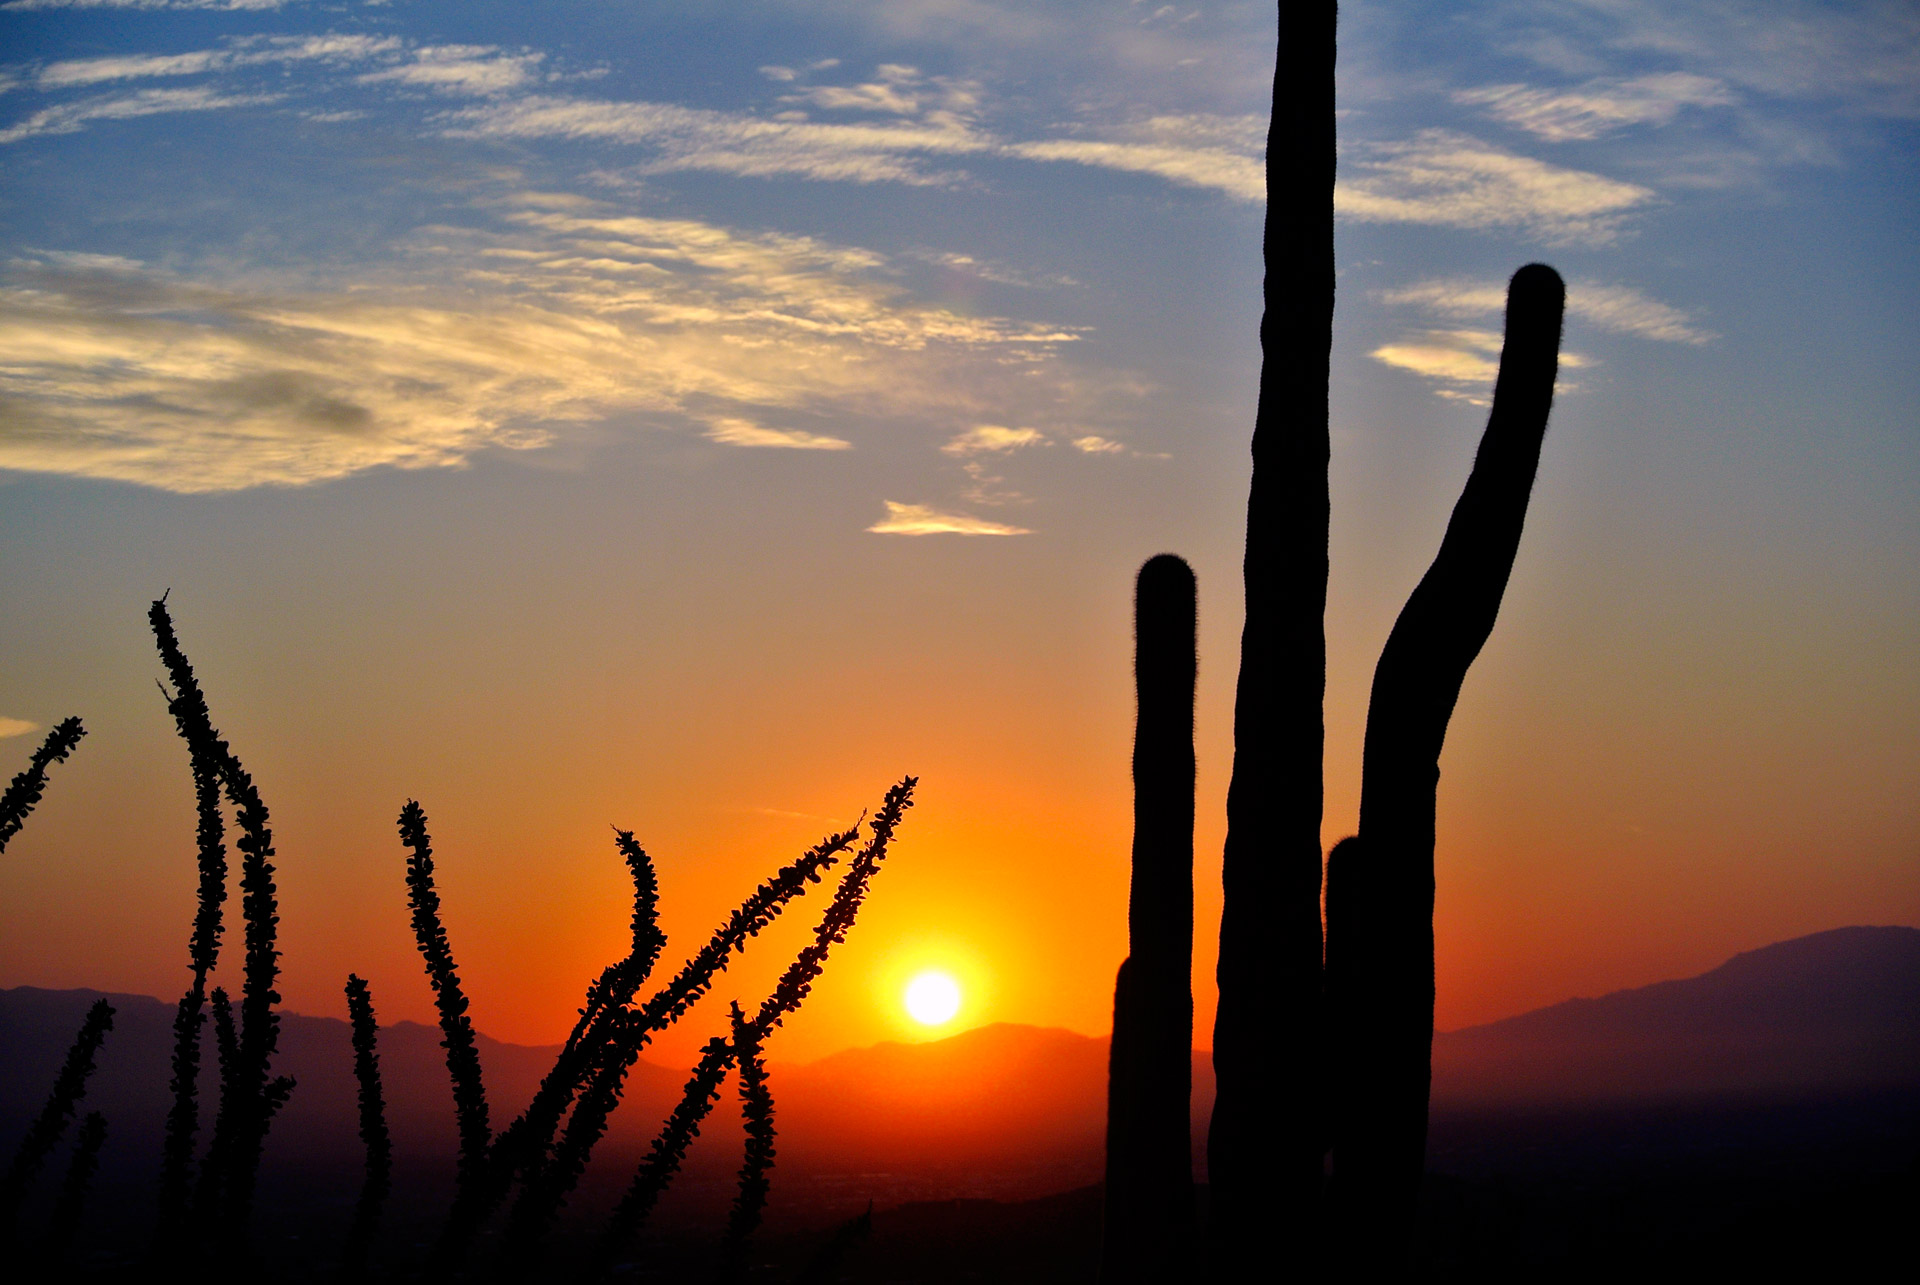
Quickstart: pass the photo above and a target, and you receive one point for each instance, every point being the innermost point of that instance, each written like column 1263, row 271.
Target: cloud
column 1452, row 180
column 1599, row 107
column 744, row 432
column 228, row 5
column 992, row 438
column 93, row 71
column 691, row 138
column 486, row 338
column 919, row 519
column 1622, row 309
column 1862, row 53
column 68, row 118
column 1094, row 444
column 1463, row 363
column 15, row 727
column 460, row 69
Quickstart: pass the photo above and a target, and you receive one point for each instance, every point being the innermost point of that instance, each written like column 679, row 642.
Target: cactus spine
column 1149, row 1193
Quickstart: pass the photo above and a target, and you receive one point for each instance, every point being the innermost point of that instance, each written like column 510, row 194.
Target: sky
column 691, row 418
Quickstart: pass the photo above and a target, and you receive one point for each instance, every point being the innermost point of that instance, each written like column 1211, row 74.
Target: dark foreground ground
column 1829, row 1189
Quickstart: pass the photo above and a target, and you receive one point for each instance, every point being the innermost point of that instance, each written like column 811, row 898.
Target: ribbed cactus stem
column 1380, row 926
column 1149, row 1195
column 1265, row 1143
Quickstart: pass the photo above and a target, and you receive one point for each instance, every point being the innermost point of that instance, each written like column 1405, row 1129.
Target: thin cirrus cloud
column 921, row 519
column 15, row 727
column 560, row 313
column 992, row 439
column 228, row 5
column 1599, row 107
column 1621, row 309
column 1454, row 180
column 69, row 118
column 744, row 432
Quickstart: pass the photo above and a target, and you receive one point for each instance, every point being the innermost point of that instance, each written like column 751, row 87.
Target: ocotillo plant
column 250, row 1095
column 73, row 1189
column 756, row 1118
column 1265, row 1141
column 670, row 1147
column 373, row 1127
column 1380, row 927
column 635, row 1027
column 521, row 1148
column 456, row 1028
column 24, row 791
column 1149, row 1191
column 69, row 1087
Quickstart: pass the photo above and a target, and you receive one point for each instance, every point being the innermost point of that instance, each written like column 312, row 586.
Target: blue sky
column 504, row 330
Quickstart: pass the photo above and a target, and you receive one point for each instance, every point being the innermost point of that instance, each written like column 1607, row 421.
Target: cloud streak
column 553, row 317
column 1621, row 309
column 920, row 519
column 1453, row 180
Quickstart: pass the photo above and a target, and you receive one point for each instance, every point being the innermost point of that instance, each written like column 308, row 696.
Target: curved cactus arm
column 1380, row 915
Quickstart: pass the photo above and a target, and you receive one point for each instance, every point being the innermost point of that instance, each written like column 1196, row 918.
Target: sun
column 932, row 998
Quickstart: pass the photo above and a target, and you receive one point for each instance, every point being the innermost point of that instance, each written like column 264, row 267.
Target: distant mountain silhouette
column 1010, row 1110
column 1837, row 1012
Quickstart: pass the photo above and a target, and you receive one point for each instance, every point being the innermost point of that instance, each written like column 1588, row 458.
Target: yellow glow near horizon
column 932, row 998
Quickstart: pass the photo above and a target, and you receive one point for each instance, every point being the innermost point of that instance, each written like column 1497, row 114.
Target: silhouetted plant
column 1380, row 926
column 250, row 1094
column 67, row 1206
column 756, row 1115
column 670, row 1147
column 1265, row 1140
column 24, row 791
column 373, row 1127
column 521, row 1148
column 456, row 1028
column 632, row 1029
column 1149, row 1189
column 69, row 1087
column 226, row 1052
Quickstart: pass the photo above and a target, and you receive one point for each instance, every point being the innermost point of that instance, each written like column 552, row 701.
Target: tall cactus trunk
column 1380, row 903
column 1149, row 1209
column 1266, row 1141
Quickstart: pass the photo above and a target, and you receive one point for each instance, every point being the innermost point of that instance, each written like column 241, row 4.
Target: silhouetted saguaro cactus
column 373, row 1127
column 1380, row 916
column 456, row 1028
column 1149, row 1193
column 24, row 791
column 1265, row 1142
column 69, row 1087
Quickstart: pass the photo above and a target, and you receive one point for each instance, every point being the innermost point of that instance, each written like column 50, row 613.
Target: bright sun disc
column 932, row 998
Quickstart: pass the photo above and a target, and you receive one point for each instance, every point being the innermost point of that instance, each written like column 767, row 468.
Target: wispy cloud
column 1622, row 309
column 1599, row 107
column 1461, row 364
column 1452, row 180
column 68, row 118
column 920, row 519
column 479, row 70
column 562, row 313
column 691, row 138
column 744, row 432
column 15, row 727
column 992, row 438
column 229, row 5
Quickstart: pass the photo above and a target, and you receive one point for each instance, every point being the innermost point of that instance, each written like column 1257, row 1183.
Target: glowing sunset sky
column 694, row 417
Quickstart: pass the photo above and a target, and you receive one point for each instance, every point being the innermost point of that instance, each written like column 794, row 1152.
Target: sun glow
column 932, row 998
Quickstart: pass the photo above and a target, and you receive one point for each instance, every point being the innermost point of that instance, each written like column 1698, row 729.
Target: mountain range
column 1006, row 1110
